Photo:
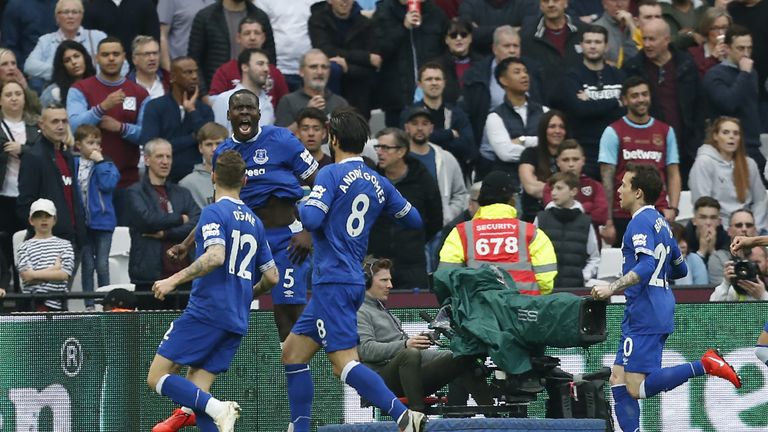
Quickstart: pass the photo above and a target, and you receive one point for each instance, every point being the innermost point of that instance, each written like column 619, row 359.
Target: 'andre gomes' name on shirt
column 357, row 174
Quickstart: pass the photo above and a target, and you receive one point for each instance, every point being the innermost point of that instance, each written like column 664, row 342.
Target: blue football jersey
column 351, row 196
column 651, row 306
column 222, row 298
column 274, row 158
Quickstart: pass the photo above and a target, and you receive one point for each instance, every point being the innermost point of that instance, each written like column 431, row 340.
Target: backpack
column 579, row 396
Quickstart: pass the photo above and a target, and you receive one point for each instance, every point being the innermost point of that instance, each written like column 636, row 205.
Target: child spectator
column 96, row 178
column 45, row 262
column 570, row 158
column 571, row 232
column 198, row 182
column 697, row 270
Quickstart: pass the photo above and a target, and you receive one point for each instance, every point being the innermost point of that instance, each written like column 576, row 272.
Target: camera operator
column 404, row 362
column 744, row 278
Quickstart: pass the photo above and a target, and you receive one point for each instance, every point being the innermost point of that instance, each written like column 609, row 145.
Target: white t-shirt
column 11, row 182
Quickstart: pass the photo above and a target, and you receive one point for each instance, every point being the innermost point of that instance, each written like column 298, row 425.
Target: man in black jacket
column 162, row 214
column 410, row 177
column 346, row 36
column 47, row 171
column 404, row 40
column 212, row 38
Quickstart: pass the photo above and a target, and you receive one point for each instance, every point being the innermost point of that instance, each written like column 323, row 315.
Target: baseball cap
column 415, row 111
column 44, row 205
column 120, row 299
column 498, row 188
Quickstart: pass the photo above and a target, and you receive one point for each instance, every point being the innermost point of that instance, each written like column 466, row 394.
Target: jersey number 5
column 239, row 242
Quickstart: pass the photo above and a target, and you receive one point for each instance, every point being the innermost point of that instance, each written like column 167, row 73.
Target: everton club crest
column 260, row 157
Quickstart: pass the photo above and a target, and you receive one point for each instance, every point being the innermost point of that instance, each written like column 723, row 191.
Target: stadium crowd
column 111, row 111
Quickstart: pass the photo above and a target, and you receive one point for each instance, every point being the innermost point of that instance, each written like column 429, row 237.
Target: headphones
column 368, row 272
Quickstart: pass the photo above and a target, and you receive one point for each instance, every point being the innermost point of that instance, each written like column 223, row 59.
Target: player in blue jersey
column 747, row 243
column 650, row 257
column 275, row 161
column 232, row 253
column 346, row 200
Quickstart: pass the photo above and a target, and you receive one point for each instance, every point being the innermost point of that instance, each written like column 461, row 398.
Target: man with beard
column 165, row 120
column 254, row 68
column 314, row 70
column 637, row 138
column 589, row 94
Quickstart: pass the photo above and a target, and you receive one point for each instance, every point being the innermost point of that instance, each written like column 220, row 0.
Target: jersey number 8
column 356, row 219
column 240, row 242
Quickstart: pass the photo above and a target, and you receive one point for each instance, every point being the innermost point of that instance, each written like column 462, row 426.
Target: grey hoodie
column 712, row 176
column 199, row 183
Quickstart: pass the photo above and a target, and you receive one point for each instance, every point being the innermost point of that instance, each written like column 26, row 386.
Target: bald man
column 675, row 88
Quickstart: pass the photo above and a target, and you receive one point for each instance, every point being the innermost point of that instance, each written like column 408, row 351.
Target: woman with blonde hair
column 723, row 171
column 9, row 70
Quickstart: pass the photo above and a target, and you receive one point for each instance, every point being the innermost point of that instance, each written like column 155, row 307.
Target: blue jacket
column 733, row 92
column 102, row 180
column 162, row 119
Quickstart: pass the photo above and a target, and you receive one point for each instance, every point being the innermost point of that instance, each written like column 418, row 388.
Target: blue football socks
column 300, row 393
column 666, row 379
column 370, row 386
column 185, row 393
column 627, row 409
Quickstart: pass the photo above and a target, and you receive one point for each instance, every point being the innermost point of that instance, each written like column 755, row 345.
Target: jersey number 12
column 239, row 242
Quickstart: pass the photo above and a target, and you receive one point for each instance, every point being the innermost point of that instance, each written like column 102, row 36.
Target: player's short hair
column 372, row 265
column 595, row 29
column 570, row 179
column 211, row 130
column 311, row 113
column 706, row 201
column 633, row 82
column 349, row 128
column 230, row 169
column 646, row 179
column 569, row 144
column 503, row 65
column 85, row 130
column 735, row 31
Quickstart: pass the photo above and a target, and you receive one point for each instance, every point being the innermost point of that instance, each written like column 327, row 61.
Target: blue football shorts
column 330, row 318
column 640, row 353
column 765, row 327
column 294, row 278
column 191, row 342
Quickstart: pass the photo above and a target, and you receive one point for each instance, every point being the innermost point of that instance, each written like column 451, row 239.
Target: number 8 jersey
column 344, row 204
column 650, row 306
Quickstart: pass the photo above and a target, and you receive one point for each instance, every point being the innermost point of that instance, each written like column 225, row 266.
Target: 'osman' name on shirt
column 357, row 174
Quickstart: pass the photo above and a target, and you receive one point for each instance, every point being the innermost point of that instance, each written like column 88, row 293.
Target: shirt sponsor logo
column 642, row 155
column 260, row 156
column 657, row 139
column 317, row 192
column 211, row 230
column 639, row 240
column 129, row 103
column 255, row 172
column 307, row 157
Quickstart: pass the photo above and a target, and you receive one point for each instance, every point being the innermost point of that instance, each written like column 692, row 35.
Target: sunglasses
column 744, row 225
column 455, row 34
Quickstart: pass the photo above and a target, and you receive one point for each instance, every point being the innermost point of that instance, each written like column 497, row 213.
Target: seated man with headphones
column 404, row 362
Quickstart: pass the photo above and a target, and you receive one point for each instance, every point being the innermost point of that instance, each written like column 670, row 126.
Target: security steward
column 495, row 236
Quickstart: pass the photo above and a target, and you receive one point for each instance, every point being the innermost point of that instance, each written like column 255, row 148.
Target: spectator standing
column 117, row 106
column 123, row 19
column 753, row 14
column 198, row 182
column 162, row 214
column 458, row 58
column 18, row 130
column 290, row 22
column 47, row 171
column 213, row 38
column 175, row 17
column 618, row 21
column 23, row 22
column 254, row 66
column 71, row 63
column 637, row 138
column 553, row 41
column 443, row 167
column 486, row 16
column 451, row 128
column 589, row 95
column 537, row 164
column 45, row 261
column 571, row 232
column 405, row 247
column 178, row 116
column 315, row 70
column 731, row 89
column 724, row 172
column 405, row 40
column 345, row 35
column 675, row 89
column 683, row 17
column 250, row 35
column 146, row 67
column 712, row 49
column 69, row 17
column 96, row 180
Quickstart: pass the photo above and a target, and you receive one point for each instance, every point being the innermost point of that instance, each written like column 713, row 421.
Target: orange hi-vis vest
column 503, row 243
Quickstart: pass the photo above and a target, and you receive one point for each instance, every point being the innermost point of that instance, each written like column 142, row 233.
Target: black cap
column 417, row 110
column 498, row 188
column 120, row 298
